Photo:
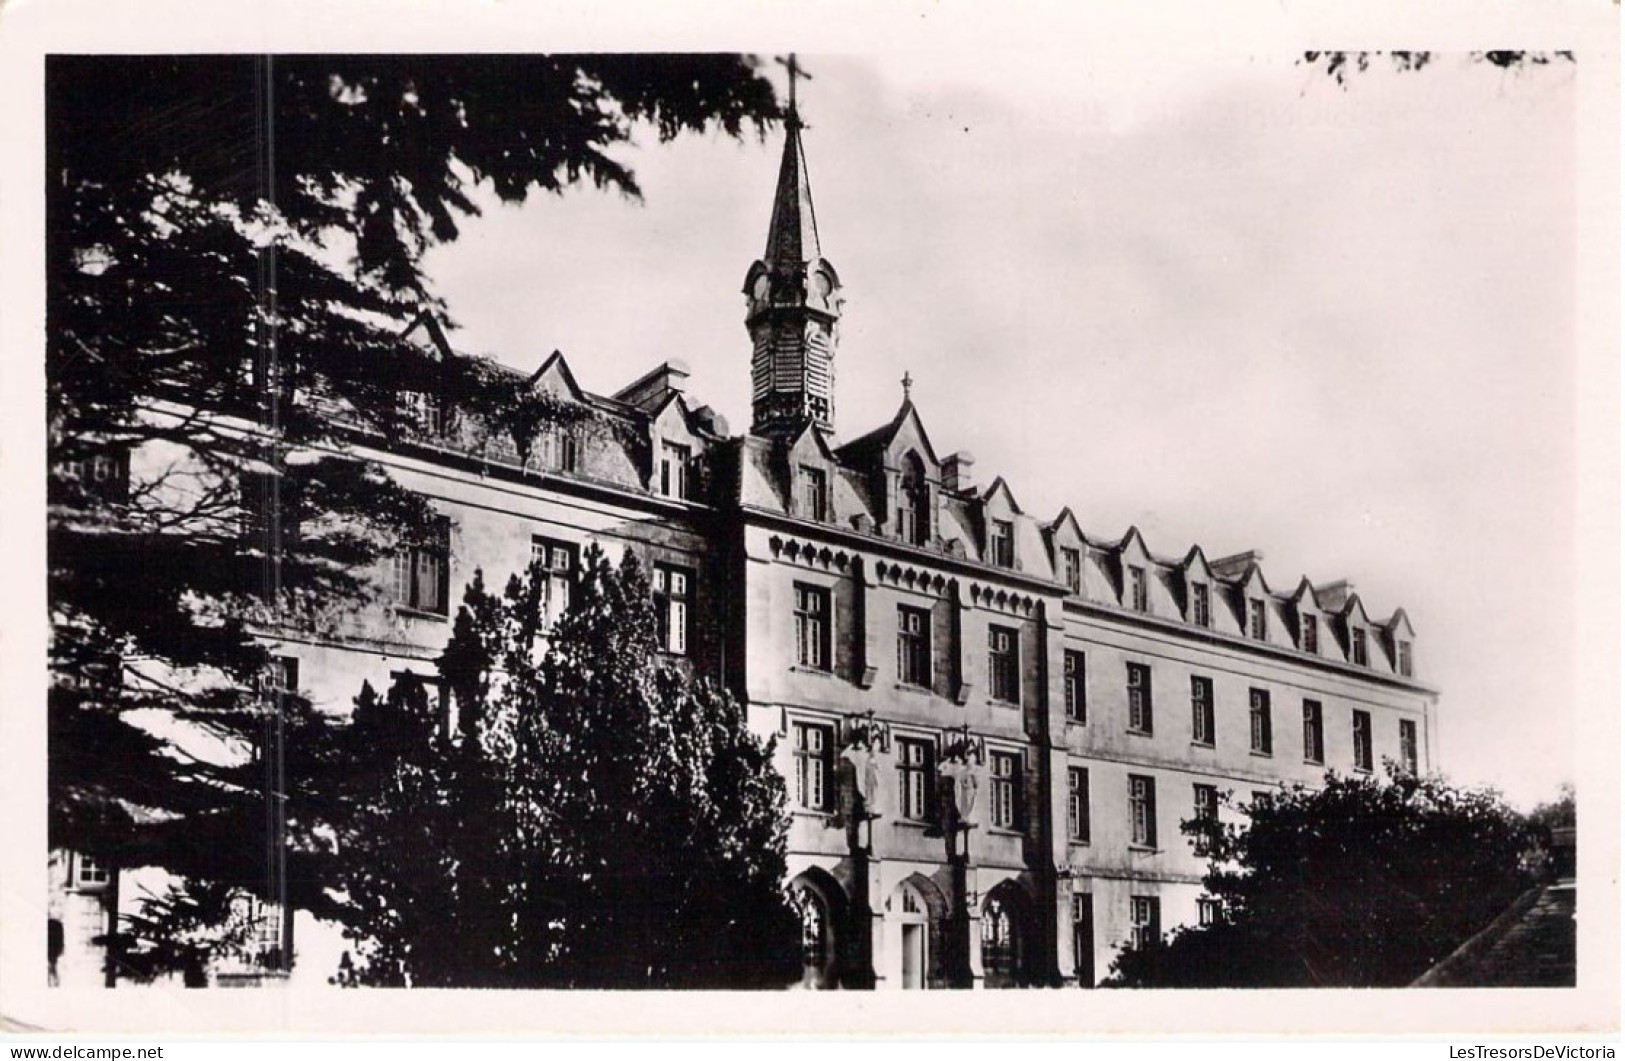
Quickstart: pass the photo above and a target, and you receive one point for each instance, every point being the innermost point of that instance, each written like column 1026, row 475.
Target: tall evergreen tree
column 604, row 820
column 234, row 250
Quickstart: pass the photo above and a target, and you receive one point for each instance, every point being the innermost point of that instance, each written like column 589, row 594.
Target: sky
column 1219, row 298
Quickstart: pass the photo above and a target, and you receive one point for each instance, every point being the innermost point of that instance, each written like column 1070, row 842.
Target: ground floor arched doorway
column 1007, row 937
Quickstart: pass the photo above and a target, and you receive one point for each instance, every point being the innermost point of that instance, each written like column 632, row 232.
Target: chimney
column 651, row 388
column 1333, row 595
column 956, row 473
column 1232, row 566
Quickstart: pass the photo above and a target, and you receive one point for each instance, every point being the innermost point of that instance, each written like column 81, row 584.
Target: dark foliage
column 233, row 254
column 1340, row 66
column 1362, row 882
column 595, row 818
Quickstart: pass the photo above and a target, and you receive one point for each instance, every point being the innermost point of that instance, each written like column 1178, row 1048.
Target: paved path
column 1533, row 949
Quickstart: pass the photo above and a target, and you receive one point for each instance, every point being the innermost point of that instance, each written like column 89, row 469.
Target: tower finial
column 796, row 73
column 908, row 384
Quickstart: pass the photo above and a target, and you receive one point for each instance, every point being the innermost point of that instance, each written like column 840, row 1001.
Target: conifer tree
column 623, row 828
column 234, row 250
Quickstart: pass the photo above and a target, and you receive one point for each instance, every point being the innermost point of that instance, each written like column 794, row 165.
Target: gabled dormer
column 557, row 442
column 554, row 377
column 424, row 406
column 1137, row 571
column 1401, row 643
column 904, row 474
column 1308, row 619
column 677, row 451
column 1068, row 550
column 1356, row 634
column 1257, row 607
column 1003, row 524
column 809, row 473
column 1201, row 588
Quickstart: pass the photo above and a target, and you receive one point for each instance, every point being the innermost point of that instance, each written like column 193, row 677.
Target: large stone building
column 992, row 723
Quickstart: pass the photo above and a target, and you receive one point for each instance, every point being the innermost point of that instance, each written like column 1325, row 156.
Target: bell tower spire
column 793, row 301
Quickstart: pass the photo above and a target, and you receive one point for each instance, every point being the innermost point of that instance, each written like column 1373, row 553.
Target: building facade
column 991, row 724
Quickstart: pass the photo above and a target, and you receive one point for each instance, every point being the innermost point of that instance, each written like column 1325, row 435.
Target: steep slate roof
column 792, row 235
column 866, row 447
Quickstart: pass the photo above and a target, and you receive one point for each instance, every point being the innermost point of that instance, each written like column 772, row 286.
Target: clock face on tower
column 759, row 289
column 821, row 286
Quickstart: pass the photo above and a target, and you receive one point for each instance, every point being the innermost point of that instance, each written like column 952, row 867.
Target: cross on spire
column 796, row 73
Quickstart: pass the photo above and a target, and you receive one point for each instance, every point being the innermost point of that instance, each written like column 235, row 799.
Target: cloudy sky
column 1220, row 298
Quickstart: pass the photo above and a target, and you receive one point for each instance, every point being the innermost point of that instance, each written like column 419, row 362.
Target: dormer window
column 1402, row 658
column 1255, row 619
column 561, row 451
column 1357, row 650
column 1001, row 543
column 1136, row 588
column 1201, row 605
column 675, row 469
column 1071, row 570
column 1309, row 640
column 913, row 499
column 426, row 413
column 814, row 493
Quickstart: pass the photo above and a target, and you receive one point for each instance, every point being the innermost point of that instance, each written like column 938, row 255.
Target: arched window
column 1001, row 939
column 815, row 936
column 913, row 503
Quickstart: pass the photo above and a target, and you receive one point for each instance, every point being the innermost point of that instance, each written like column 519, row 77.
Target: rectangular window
column 1311, row 633
column 675, row 469
column 812, row 627
column 1145, row 917
column 1402, row 658
column 104, row 475
column 282, row 676
column 425, row 413
column 913, row 646
column 1083, row 937
column 553, row 566
column 1357, row 651
column 1259, row 714
column 561, row 451
column 1072, row 570
column 1005, row 771
column 1407, row 745
column 419, row 572
column 916, row 778
column 1001, row 543
column 1201, row 710
column 1362, row 740
column 1142, row 810
column 1255, row 619
column 1139, row 698
column 90, row 874
column 814, row 493
column 1314, row 740
column 1205, row 808
column 1201, row 605
column 1003, row 665
column 1136, row 588
column 269, row 517
column 1074, row 681
column 674, row 604
column 1207, row 911
column 1077, row 804
column 814, row 753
